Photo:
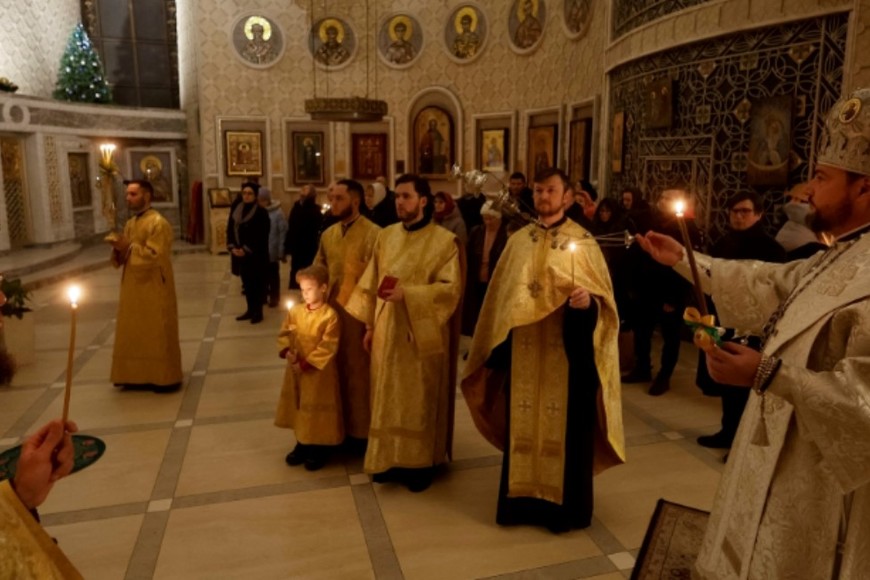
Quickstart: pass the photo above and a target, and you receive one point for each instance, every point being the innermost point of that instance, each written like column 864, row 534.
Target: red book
column 388, row 283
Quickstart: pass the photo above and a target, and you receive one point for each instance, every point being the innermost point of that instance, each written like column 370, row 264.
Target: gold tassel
column 760, row 438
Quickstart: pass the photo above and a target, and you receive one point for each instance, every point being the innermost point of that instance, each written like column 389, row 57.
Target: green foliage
column 81, row 77
column 17, row 298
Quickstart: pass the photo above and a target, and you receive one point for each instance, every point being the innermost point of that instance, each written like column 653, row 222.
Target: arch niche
column 435, row 135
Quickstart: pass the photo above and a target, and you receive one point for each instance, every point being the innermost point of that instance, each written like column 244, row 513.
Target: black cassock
column 576, row 508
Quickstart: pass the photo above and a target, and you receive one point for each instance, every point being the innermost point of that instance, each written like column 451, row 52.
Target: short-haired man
column 147, row 352
column 408, row 298
column 345, row 249
column 542, row 382
column 521, row 194
column 794, row 500
column 746, row 240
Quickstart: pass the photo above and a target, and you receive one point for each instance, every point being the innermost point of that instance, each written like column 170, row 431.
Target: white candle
column 573, row 247
column 73, row 293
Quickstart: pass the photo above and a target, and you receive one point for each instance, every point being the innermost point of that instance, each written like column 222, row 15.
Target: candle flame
column 679, row 207
column 108, row 151
column 73, row 293
column 572, row 246
column 289, row 304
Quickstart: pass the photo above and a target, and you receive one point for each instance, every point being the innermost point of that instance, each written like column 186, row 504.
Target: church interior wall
column 39, row 142
column 802, row 51
column 34, row 36
column 499, row 80
column 561, row 81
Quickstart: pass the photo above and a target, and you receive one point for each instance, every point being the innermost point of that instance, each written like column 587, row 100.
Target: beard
column 409, row 216
column 825, row 222
column 548, row 210
column 346, row 213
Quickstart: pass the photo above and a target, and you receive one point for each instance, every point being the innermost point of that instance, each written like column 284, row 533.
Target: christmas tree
column 81, row 76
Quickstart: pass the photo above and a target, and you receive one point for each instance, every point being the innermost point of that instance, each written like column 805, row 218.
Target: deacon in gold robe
column 26, row 551
column 147, row 352
column 345, row 249
column 310, row 402
column 542, row 376
column 794, row 500
column 408, row 298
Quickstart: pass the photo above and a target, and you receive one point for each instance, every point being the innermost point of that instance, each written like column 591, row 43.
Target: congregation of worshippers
column 560, row 291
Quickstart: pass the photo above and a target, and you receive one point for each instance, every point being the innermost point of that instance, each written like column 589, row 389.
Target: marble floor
column 194, row 485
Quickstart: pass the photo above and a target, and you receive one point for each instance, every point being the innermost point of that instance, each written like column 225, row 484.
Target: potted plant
column 19, row 331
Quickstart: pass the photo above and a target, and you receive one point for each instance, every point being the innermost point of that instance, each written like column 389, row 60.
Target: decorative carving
column 349, row 109
column 53, row 177
column 631, row 14
column 12, row 164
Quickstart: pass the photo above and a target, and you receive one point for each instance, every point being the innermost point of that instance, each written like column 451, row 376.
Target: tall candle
column 679, row 208
column 573, row 247
column 73, row 293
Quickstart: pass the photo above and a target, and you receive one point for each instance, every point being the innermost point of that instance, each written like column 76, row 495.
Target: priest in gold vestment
column 408, row 298
column 147, row 352
column 26, row 551
column 542, row 376
column 345, row 249
column 794, row 500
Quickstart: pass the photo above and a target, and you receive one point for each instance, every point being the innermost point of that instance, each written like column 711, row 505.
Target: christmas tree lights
column 81, row 77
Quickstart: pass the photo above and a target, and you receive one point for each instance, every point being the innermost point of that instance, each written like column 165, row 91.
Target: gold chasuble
column 26, row 551
column 146, row 335
column 310, row 402
column 346, row 253
column 526, row 297
column 414, row 345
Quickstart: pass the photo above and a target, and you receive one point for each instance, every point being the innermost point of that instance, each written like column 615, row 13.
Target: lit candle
column 107, row 150
column 573, row 247
column 679, row 210
column 290, row 305
column 73, row 293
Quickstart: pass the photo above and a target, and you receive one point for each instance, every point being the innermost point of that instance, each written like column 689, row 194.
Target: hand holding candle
column 73, row 293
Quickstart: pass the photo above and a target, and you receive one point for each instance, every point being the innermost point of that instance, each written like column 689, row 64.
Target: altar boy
column 310, row 401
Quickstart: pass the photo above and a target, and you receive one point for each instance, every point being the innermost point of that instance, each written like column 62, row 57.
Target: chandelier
column 353, row 109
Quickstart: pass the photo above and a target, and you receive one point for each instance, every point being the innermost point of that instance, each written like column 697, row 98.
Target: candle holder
column 476, row 181
column 108, row 172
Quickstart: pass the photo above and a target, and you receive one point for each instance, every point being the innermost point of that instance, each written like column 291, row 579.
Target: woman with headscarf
column 485, row 246
column 381, row 206
column 447, row 216
column 250, row 245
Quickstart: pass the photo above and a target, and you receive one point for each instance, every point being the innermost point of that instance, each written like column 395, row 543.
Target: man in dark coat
column 659, row 297
column 303, row 232
column 746, row 240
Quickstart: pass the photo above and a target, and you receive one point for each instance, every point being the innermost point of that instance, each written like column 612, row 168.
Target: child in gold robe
column 310, row 402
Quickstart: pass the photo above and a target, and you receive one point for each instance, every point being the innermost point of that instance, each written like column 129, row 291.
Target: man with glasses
column 746, row 240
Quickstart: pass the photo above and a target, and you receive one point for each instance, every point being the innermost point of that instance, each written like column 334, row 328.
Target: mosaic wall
column 714, row 84
column 631, row 14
